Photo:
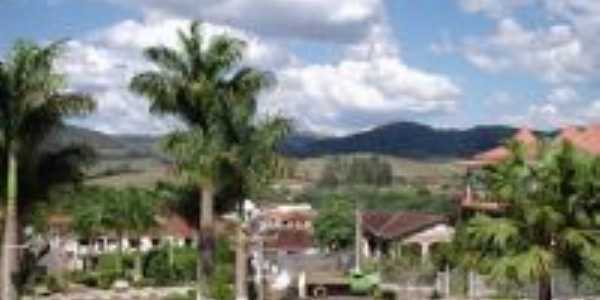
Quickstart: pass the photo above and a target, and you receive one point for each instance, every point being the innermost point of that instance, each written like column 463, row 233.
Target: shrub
column 89, row 279
column 221, row 287
column 162, row 269
column 56, row 284
column 115, row 262
column 105, row 279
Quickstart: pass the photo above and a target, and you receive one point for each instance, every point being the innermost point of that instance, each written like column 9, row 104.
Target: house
column 289, row 217
column 385, row 233
column 475, row 197
column 288, row 241
column 68, row 251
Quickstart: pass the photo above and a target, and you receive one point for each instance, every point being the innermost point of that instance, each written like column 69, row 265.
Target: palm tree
column 203, row 84
column 202, row 161
column 32, row 103
column 550, row 219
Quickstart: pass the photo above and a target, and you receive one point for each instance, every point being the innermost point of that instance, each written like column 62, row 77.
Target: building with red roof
column 585, row 139
column 384, row 232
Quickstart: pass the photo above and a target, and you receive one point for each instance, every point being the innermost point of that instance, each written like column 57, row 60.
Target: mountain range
column 404, row 139
column 401, row 139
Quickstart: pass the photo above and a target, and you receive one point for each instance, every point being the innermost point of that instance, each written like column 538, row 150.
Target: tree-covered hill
column 405, row 139
column 402, row 139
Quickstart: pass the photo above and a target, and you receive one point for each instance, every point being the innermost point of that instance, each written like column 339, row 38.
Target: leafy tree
column 334, row 227
column 32, row 103
column 550, row 219
column 142, row 209
column 204, row 85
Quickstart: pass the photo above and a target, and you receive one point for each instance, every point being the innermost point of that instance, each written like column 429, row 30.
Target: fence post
column 471, row 292
column 447, row 283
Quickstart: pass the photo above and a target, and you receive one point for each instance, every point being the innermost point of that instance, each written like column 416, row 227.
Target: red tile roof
column 177, row 226
column 524, row 136
column 399, row 224
column 586, row 139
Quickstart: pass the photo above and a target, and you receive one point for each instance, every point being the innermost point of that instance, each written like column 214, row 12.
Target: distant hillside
column 404, row 139
column 107, row 146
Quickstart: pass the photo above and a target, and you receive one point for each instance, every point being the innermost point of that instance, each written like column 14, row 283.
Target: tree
column 335, row 225
column 88, row 217
column 32, row 103
column 550, row 219
column 141, row 216
column 204, row 85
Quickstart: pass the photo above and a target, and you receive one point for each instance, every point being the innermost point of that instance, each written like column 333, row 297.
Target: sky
column 342, row 66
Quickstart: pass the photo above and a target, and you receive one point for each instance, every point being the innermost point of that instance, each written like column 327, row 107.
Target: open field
column 406, row 168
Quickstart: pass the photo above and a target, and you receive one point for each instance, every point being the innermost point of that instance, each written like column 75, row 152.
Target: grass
column 411, row 170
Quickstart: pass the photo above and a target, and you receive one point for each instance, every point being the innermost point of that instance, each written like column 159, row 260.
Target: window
column 134, row 243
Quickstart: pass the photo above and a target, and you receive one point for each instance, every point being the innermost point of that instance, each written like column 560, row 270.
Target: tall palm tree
column 32, row 103
column 550, row 219
column 203, row 84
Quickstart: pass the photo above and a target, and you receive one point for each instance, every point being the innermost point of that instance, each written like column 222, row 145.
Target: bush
column 115, row 262
column 56, row 284
column 105, row 279
column 221, row 287
column 159, row 267
column 89, row 279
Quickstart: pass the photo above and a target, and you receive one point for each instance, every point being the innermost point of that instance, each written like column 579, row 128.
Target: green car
column 361, row 283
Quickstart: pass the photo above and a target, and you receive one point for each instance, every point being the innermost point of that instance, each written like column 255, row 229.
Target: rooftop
column 394, row 225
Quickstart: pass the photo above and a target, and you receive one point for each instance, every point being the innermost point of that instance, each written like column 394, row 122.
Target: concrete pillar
column 424, row 252
column 302, row 293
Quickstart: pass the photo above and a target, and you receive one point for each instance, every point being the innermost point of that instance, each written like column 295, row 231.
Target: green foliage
column 221, row 287
column 225, row 148
column 56, row 284
column 114, row 262
column 335, row 225
column 357, row 170
column 221, row 283
column 393, row 199
column 168, row 266
column 550, row 221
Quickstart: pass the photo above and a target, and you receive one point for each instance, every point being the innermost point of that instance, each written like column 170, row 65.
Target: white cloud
column 338, row 21
column 562, row 47
column 555, row 54
column 560, row 107
column 103, row 63
column 368, row 85
column 493, row 8
column 562, row 95
column 358, row 94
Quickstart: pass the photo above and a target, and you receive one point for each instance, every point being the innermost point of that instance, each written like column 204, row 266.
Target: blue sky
column 343, row 66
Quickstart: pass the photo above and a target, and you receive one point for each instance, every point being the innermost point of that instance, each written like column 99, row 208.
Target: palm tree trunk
column 240, row 265
column 545, row 288
column 206, row 241
column 9, row 253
